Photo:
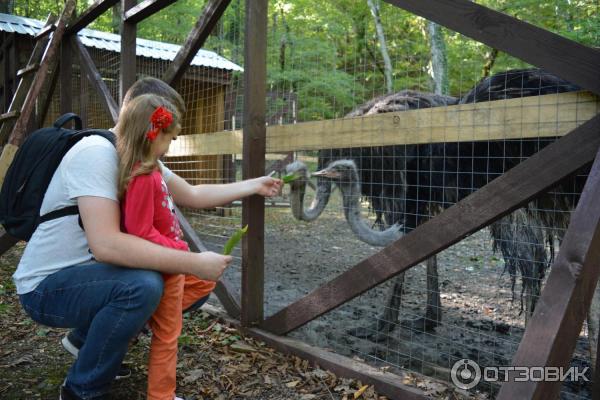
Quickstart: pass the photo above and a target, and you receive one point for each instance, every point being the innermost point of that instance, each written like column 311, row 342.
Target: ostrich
column 407, row 184
column 344, row 174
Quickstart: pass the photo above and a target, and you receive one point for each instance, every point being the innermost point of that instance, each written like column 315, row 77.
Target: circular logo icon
column 465, row 374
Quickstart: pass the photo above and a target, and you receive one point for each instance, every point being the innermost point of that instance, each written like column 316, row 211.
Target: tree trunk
column 374, row 6
column 116, row 18
column 439, row 61
column 490, row 60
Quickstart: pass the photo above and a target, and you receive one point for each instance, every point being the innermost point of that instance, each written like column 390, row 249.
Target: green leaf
column 290, row 178
column 233, row 240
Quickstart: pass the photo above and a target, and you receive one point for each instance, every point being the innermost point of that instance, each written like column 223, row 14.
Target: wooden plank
column 45, row 31
column 145, row 9
column 98, row 8
column 385, row 383
column 66, row 77
column 554, row 328
column 10, row 115
column 224, row 290
column 253, row 209
column 20, row 130
column 128, row 46
column 195, row 40
column 490, row 203
column 27, row 70
column 529, row 117
column 25, row 83
column 563, row 57
column 89, row 69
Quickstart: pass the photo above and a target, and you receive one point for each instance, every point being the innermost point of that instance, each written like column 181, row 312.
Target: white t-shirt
column 90, row 168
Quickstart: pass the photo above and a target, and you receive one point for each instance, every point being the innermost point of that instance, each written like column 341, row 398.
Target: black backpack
column 30, row 173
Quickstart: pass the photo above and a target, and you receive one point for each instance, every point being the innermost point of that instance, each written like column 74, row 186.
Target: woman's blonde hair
column 133, row 145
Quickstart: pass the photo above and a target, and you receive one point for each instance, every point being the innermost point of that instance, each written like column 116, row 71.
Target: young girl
column 146, row 128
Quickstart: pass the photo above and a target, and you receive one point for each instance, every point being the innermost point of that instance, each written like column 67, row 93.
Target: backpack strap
column 61, row 212
column 74, row 210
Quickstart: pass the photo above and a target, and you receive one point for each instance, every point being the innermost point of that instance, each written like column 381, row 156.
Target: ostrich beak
column 327, row 173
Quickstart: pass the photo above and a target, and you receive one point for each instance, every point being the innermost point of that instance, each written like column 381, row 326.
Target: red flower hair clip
column 161, row 118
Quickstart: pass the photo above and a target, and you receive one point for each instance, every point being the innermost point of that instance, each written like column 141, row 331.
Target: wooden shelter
column 204, row 87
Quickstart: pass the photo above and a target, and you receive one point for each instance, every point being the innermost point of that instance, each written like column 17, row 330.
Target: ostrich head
column 345, row 175
column 298, row 190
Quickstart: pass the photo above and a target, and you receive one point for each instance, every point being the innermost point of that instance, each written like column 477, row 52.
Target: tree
column 374, row 6
column 439, row 61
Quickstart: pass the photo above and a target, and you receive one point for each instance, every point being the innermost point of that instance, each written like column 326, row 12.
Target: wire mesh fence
column 396, row 145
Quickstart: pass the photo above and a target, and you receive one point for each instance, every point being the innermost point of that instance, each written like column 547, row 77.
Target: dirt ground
column 481, row 320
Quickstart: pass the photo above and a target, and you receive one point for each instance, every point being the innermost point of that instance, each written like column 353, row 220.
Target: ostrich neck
column 351, row 193
column 318, row 204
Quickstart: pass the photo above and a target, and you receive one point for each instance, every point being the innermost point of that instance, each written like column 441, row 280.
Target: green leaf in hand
column 289, row 178
column 234, row 240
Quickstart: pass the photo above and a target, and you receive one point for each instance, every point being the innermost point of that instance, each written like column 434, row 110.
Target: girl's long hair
column 133, row 145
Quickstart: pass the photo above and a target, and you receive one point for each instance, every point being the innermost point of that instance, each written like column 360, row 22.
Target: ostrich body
column 406, row 185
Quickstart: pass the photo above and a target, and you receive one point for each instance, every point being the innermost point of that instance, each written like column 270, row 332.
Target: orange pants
column 180, row 292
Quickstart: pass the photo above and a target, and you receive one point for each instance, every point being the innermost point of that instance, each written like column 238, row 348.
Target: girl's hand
column 211, row 265
column 267, row 186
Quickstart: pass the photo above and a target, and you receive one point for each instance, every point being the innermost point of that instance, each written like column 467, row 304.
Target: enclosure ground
column 215, row 361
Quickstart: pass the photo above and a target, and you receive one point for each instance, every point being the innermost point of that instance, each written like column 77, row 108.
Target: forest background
column 336, row 54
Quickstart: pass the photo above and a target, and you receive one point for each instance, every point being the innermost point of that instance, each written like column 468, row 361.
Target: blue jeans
column 107, row 304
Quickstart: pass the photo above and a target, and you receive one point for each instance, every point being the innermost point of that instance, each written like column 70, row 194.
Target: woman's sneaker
column 72, row 344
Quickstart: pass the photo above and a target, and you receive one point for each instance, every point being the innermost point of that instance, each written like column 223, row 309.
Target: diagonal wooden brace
column 490, row 203
column 195, row 40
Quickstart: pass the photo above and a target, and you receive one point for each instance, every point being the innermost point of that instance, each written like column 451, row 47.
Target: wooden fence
column 550, row 336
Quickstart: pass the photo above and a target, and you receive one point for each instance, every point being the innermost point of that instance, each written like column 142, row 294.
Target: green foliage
column 327, row 52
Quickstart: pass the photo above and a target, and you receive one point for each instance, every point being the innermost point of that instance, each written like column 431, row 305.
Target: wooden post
column 88, row 16
column 253, row 212
column 128, row 47
column 66, row 75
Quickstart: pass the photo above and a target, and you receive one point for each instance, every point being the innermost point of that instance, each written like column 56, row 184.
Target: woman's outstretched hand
column 267, row 186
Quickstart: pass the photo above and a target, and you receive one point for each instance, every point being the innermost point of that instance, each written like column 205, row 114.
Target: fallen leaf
column 360, row 391
column 241, row 347
column 292, row 384
column 193, row 375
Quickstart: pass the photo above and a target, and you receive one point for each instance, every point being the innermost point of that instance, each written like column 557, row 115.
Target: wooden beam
column 20, row 130
column 24, row 83
column 253, row 209
column 89, row 69
column 195, row 40
column 128, row 55
column 529, row 117
column 10, row 115
column 145, row 9
column 385, row 383
column 224, row 290
column 506, row 193
column 98, row 8
column 27, row 70
column 45, row 31
column 554, row 328
column 570, row 60
column 66, row 77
